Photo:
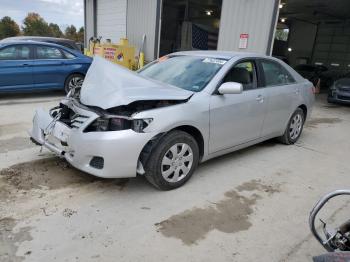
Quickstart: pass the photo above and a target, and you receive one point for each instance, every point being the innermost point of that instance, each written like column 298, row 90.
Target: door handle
column 25, row 64
column 260, row 98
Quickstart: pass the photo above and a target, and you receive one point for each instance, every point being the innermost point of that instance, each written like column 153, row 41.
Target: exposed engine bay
column 114, row 119
column 139, row 106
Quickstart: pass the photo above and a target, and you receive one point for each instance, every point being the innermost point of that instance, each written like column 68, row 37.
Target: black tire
column 154, row 166
column 287, row 138
column 69, row 79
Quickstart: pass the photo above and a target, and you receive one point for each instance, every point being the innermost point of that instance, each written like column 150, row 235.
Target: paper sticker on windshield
column 214, row 61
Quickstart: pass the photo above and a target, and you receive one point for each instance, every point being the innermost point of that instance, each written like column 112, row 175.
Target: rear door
column 237, row 118
column 16, row 71
column 49, row 69
column 282, row 93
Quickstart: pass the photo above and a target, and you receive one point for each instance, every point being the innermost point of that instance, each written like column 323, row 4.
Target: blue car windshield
column 187, row 72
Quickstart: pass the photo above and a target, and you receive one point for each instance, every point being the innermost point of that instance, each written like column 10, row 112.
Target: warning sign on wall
column 243, row 41
column 109, row 53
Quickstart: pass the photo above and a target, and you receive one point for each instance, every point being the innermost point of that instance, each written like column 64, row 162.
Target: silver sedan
column 178, row 111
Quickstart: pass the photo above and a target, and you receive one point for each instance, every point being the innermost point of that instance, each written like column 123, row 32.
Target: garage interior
column 189, row 25
column 315, row 33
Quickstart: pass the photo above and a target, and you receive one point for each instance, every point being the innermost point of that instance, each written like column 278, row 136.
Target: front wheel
column 294, row 128
column 173, row 161
column 74, row 83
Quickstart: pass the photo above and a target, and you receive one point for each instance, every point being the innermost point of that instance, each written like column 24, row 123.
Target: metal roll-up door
column 111, row 19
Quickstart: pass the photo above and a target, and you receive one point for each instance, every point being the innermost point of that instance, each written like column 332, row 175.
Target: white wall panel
column 111, row 19
column 142, row 19
column 253, row 17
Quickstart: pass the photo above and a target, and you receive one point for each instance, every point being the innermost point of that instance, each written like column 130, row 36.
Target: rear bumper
column 120, row 150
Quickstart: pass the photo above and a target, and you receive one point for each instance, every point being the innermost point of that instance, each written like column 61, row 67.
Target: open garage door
column 314, row 37
column 189, row 25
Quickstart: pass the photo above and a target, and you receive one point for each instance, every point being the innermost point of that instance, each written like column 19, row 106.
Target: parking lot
column 252, row 205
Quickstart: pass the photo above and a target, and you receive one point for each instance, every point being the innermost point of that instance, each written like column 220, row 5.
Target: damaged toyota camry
column 176, row 112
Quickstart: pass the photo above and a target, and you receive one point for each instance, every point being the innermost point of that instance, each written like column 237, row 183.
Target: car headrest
column 240, row 75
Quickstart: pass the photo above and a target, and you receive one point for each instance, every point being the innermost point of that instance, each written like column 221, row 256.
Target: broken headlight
column 116, row 124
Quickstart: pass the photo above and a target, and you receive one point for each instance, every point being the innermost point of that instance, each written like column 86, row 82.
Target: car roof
column 41, row 38
column 221, row 54
column 27, row 42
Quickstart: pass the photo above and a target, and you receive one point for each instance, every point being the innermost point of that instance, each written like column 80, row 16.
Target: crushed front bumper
column 112, row 154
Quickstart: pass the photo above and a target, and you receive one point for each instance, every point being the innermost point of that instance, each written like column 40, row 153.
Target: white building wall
column 89, row 14
column 142, row 16
column 257, row 18
column 111, row 19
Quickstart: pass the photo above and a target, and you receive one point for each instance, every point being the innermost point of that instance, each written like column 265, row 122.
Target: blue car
column 29, row 66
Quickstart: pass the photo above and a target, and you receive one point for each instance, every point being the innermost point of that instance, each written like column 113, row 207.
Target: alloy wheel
column 177, row 162
column 76, row 83
column 295, row 126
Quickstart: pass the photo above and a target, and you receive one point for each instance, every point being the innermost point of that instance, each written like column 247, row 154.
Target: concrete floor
column 252, row 205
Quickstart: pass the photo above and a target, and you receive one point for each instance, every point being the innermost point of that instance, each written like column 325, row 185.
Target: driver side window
column 244, row 73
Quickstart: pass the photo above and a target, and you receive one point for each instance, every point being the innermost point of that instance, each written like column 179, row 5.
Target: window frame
column 258, row 80
column 31, row 52
column 50, row 59
column 262, row 72
column 63, row 51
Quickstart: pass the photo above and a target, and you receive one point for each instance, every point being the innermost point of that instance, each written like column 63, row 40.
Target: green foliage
column 81, row 35
column 55, row 30
column 35, row 25
column 8, row 27
column 72, row 33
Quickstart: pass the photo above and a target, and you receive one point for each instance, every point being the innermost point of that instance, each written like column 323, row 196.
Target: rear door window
column 275, row 74
column 48, row 52
column 17, row 52
column 68, row 55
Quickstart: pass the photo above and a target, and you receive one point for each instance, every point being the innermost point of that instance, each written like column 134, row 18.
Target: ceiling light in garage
column 281, row 6
column 290, row 49
column 283, row 20
column 208, row 12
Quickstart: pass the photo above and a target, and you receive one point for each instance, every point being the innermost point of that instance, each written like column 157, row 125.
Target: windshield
column 187, row 72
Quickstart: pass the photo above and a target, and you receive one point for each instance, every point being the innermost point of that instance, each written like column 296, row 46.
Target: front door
column 237, row 118
column 16, row 71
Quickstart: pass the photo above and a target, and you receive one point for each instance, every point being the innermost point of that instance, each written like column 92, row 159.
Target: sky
column 61, row 12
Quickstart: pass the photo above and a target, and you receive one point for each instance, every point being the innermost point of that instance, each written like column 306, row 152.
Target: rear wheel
column 173, row 161
column 74, row 81
column 294, row 128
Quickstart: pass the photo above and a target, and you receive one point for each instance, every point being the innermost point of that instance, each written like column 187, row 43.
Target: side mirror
column 230, row 88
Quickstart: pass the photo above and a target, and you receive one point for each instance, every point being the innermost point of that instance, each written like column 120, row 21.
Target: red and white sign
column 243, row 41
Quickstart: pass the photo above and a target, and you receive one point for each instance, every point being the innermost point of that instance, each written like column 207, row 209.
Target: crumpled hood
column 108, row 85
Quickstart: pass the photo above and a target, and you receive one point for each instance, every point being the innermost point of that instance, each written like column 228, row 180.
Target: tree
column 80, row 37
column 71, row 32
column 55, row 30
column 8, row 27
column 35, row 25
